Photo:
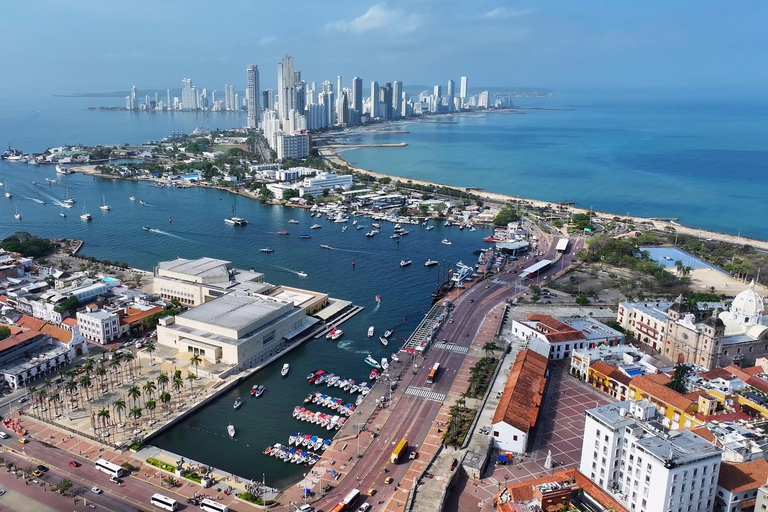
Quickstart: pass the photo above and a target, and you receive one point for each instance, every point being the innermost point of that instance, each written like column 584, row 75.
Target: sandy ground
column 703, row 279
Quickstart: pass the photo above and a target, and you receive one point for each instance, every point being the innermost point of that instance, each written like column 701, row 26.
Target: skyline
column 559, row 45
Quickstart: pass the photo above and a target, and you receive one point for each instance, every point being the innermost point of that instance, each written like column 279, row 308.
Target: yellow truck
column 398, row 451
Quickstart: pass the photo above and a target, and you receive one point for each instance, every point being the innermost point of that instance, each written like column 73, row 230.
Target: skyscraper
column 451, row 93
column 252, row 94
column 344, row 108
column 357, row 95
column 329, row 102
column 227, row 99
column 301, row 96
column 386, row 100
column 231, row 92
column 286, row 85
column 375, row 99
column 186, row 93
column 133, row 97
column 193, row 98
column 168, row 99
column 463, row 90
column 397, row 98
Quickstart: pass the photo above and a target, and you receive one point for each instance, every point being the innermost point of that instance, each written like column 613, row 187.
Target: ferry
column 445, row 242
column 292, row 221
column 324, row 246
column 301, row 274
column 384, row 341
column 236, row 221
column 370, row 361
column 231, row 431
column 266, row 249
column 405, row 263
column 315, row 226
column 370, row 331
column 13, row 155
column 285, row 370
column 238, row 402
column 283, row 232
column 430, row 263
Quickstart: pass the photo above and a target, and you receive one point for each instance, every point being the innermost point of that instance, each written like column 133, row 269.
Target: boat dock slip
column 424, row 334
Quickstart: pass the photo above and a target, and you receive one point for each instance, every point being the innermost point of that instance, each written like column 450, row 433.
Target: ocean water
column 705, row 162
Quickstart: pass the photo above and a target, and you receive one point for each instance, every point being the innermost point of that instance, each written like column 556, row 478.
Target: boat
column 301, row 274
column 315, row 226
column 17, row 216
column 324, row 246
column 430, row 263
column 314, row 376
column 266, row 249
column 62, row 214
column 376, row 225
column 384, row 364
column 304, row 236
column 337, row 333
column 395, row 236
column 236, row 221
column 283, row 232
column 370, row 331
column 132, row 198
column 286, row 368
column 395, row 357
column 429, row 228
column 370, row 361
column 384, row 341
column 387, row 333
column 445, row 242
column 330, row 333
column 405, row 263
column 39, row 201
column 359, row 227
column 146, row 228
column 104, row 206
column 231, row 431
column 85, row 215
column 378, row 298
column 238, row 402
column 374, row 374
column 8, row 194
column 292, row 221
column 61, row 169
column 142, row 202
column 257, row 390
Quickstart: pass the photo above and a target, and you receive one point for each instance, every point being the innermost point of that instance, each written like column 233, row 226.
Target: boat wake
column 287, row 269
column 161, row 232
column 54, row 200
column 348, row 346
column 352, row 250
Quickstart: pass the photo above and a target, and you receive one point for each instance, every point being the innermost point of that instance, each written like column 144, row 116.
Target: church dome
column 748, row 307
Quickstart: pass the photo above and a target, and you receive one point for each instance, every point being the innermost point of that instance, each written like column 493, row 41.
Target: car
column 414, row 455
column 371, row 491
column 388, row 480
column 23, row 440
column 193, row 501
column 42, row 468
column 139, row 344
column 37, row 473
column 96, row 490
column 74, row 464
column 471, row 301
column 3, row 435
column 115, row 480
column 22, row 399
column 365, row 507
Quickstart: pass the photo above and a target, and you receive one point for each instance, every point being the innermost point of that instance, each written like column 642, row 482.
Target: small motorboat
column 315, row 226
column 330, row 334
column 384, row 341
column 231, row 431
column 370, row 332
column 445, row 242
column 430, row 263
column 146, row 228
column 374, row 374
column 324, row 246
column 285, row 370
column 384, row 364
column 259, row 391
column 301, row 274
column 370, row 361
column 132, row 198
column 337, row 333
column 238, row 402
column 267, row 250
column 292, row 221
column 405, row 263
column 387, row 333
column 283, row 232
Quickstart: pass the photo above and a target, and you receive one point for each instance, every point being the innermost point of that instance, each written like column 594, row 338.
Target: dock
column 424, row 334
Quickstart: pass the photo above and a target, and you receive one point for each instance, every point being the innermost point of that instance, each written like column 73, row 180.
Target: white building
column 647, row 468
column 647, row 320
column 292, row 146
column 738, row 484
column 324, row 180
column 98, row 326
column 252, row 95
column 31, row 355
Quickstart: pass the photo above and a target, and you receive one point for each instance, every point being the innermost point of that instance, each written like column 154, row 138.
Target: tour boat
column 446, row 242
column 324, row 246
column 236, row 221
column 238, row 402
column 430, row 263
column 104, row 206
column 384, row 341
column 370, row 361
column 387, row 333
column 370, row 332
column 231, row 431
column 405, row 263
column 283, row 232
column 286, row 368
column 301, row 274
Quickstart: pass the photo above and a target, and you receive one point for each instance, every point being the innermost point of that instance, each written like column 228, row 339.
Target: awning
column 303, row 327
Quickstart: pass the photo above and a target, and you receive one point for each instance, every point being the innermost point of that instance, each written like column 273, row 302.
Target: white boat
column 62, row 214
column 428, row 228
column 238, row 402
column 405, row 263
column 8, row 194
column 370, row 361
column 231, row 431
column 236, row 221
column 17, row 216
column 301, row 274
column 384, row 341
column 292, row 221
column 430, row 263
column 315, row 226
column 337, row 333
column 85, row 216
column 286, row 368
column 132, row 198
column 104, row 206
column 395, row 357
column 384, row 364
column 141, row 201
column 446, row 242
column 61, row 169
column 370, row 332
column 387, row 333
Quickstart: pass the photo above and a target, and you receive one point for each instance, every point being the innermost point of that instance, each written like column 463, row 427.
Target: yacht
column 384, row 341
column 286, row 368
column 429, row 228
column 315, row 226
column 267, row 250
column 236, row 221
column 430, row 263
column 370, row 332
column 61, row 169
column 132, row 198
column 238, row 402
column 405, row 263
column 85, row 215
column 301, row 274
column 384, row 364
column 231, row 431
column 104, row 206
column 292, row 221
column 445, row 242
column 370, row 361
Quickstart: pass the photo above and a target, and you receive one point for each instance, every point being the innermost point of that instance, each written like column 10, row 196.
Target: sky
column 97, row 46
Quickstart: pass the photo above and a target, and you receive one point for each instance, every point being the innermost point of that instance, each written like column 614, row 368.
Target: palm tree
column 115, row 365
column 85, row 383
column 136, row 414
column 47, row 384
column 134, row 392
column 119, row 406
column 103, row 415
column 101, row 372
column 71, row 388
column 191, row 378
column 489, row 348
column 128, row 358
column 41, row 396
column 88, row 366
column 195, row 360
column 177, row 384
column 149, row 388
column 162, row 380
column 165, row 398
column 150, row 406
column 56, row 397
column 150, row 348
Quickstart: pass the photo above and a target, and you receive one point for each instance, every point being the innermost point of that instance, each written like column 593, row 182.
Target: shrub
column 161, row 465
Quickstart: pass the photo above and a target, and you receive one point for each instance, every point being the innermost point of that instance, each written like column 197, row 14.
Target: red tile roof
column 71, row 322
column 18, row 339
column 753, row 370
column 524, row 391
column 601, row 367
column 654, row 386
column 743, row 476
column 756, row 382
column 30, row 322
column 717, row 373
column 554, row 330
column 704, row 433
column 57, row 333
column 137, row 315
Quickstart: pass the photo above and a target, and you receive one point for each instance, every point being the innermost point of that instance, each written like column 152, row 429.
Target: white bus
column 110, row 468
column 351, row 498
column 164, row 502
column 212, row 506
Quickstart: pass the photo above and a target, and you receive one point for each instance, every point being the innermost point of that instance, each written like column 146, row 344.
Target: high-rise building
column 628, row 452
column 329, row 101
column 168, row 98
column 133, row 98
column 397, row 98
column 375, row 99
column 482, row 101
column 252, row 95
column 343, row 117
column 227, row 98
column 128, row 102
column 451, row 94
column 404, row 105
column 236, row 102
column 386, row 100
column 286, row 85
column 357, row 94
column 193, row 98
column 463, row 91
column 157, row 99
column 186, row 94
column 438, row 91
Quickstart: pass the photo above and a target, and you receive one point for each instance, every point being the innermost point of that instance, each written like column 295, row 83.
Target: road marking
column 452, row 347
column 425, row 393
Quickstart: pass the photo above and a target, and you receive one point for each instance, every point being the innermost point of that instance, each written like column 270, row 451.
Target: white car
column 365, row 507
column 96, row 490
column 3, row 435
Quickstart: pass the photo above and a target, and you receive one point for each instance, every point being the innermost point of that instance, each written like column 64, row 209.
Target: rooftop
column 744, row 476
column 523, row 393
column 206, row 268
column 657, row 310
column 233, row 311
column 655, row 387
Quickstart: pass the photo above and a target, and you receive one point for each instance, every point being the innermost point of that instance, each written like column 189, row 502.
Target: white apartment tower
column 630, row 454
column 375, row 100
column 252, row 94
column 186, row 94
column 397, row 98
column 451, row 94
column 463, row 91
column 286, row 85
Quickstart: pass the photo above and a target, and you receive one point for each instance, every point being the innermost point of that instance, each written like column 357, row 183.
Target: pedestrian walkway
column 425, row 393
column 451, row 347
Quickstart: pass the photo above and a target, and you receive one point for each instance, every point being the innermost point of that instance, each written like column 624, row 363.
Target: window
column 514, row 438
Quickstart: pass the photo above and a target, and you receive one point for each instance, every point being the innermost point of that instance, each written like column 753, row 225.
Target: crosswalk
column 425, row 393
column 452, row 347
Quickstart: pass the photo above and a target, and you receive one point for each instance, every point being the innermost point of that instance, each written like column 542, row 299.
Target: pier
column 424, row 334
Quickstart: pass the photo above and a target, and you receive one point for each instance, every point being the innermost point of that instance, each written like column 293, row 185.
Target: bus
column 398, row 451
column 110, row 468
column 212, row 506
column 348, row 502
column 433, row 373
column 164, row 502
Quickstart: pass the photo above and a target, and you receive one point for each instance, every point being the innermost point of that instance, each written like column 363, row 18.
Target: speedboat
column 374, row 374
column 301, row 274
column 429, row 228
column 430, row 263
column 292, row 221
column 236, row 221
column 315, row 226
column 338, row 333
column 370, row 361
column 370, row 332
column 387, row 333
column 283, row 232
column 62, row 214
column 132, row 198
column 146, row 228
column 238, row 402
column 324, row 246
column 384, row 341
column 314, row 376
column 286, row 368
column 405, row 263
column 259, row 391
column 266, row 250
column 142, row 202
column 445, row 242
column 384, row 364
column 231, row 431
column 328, row 336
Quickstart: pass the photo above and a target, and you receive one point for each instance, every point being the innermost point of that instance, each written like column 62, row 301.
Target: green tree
column 134, row 392
column 191, row 378
column 582, row 300
column 677, row 381
column 4, row 332
column 505, row 216
column 165, row 398
column 195, row 360
column 119, row 406
column 265, row 194
column 68, row 304
column 27, row 245
column 85, row 383
column 290, row 193
column 150, row 348
column 103, row 415
column 162, row 380
column 136, row 414
column 149, row 388
column 489, row 348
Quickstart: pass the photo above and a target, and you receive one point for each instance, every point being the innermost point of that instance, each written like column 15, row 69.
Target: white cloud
column 505, row 13
column 377, row 17
column 266, row 40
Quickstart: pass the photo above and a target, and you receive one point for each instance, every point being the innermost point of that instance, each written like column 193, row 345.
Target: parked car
column 114, row 480
column 37, row 473
column 3, row 435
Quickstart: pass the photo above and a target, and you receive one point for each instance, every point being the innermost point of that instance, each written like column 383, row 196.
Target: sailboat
column 18, row 215
column 104, row 206
column 236, row 221
column 85, row 216
column 68, row 202
column 8, row 194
